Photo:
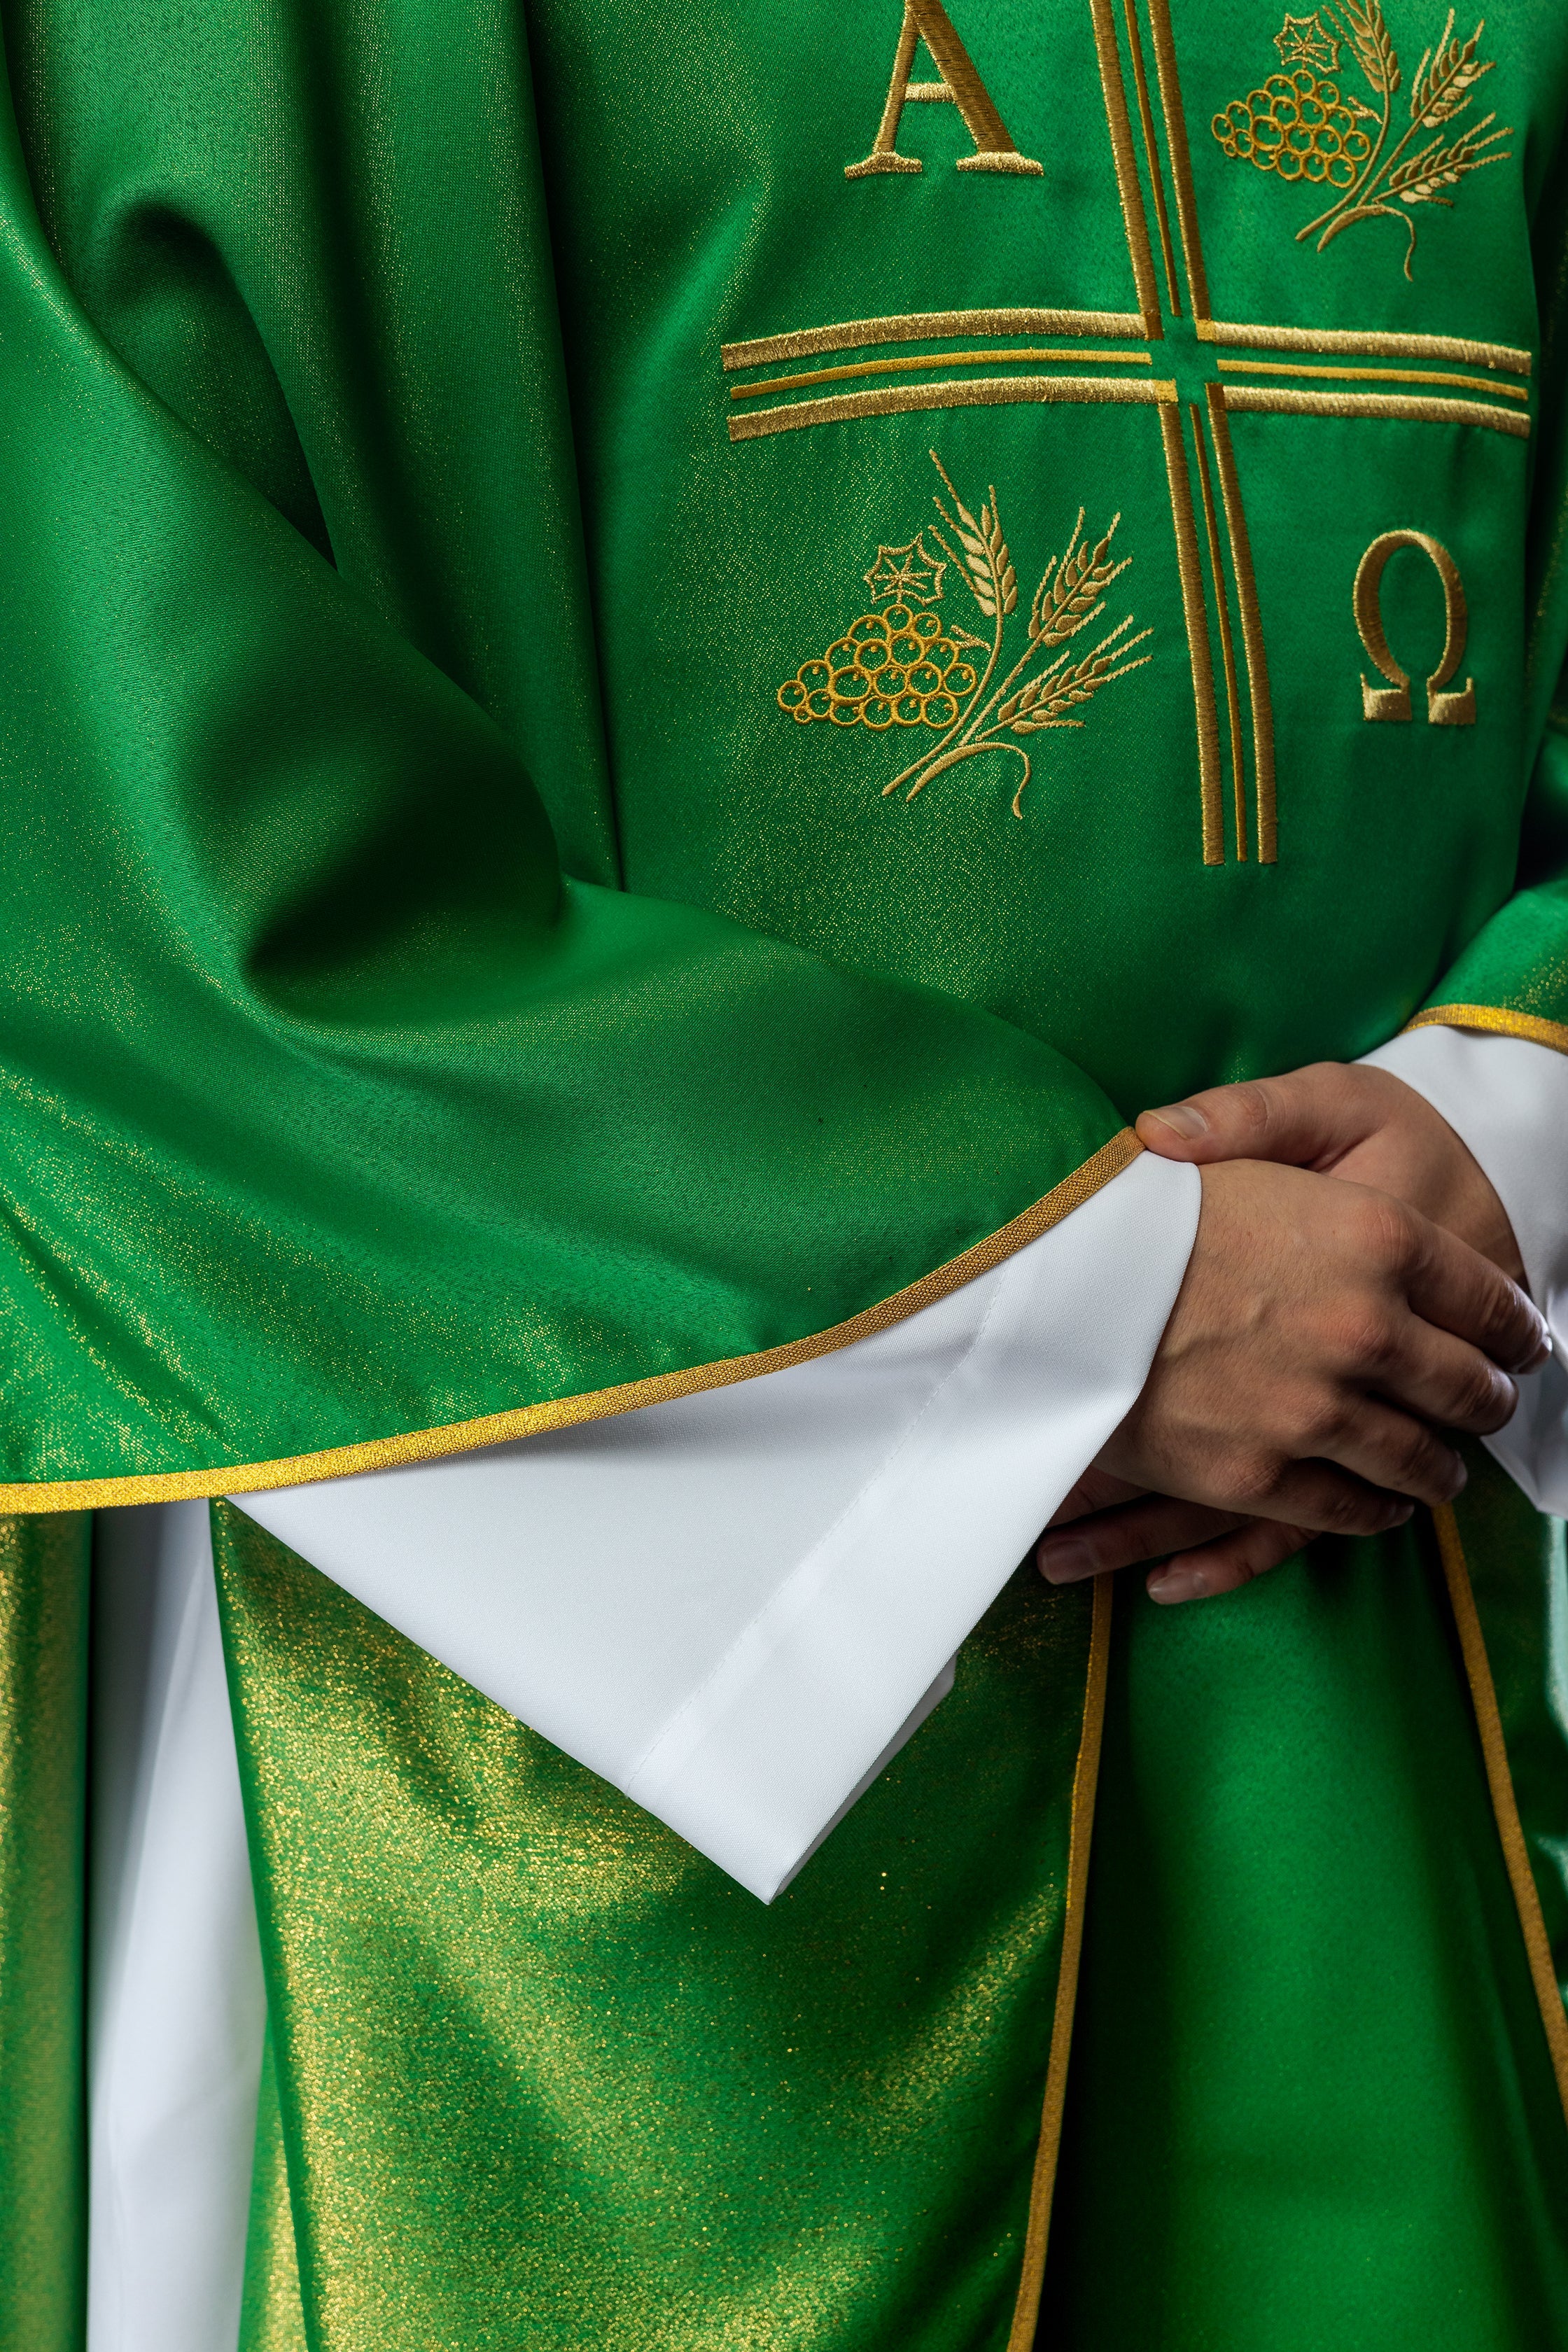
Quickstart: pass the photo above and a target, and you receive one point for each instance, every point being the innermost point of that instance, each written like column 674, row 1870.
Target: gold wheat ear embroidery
column 904, row 668
column 1303, row 126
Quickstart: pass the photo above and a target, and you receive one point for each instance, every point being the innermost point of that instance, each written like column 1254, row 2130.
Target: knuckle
column 1322, row 1423
column 1348, row 1511
column 1479, row 1402
column 1364, row 1336
column 1254, row 1107
column 1417, row 1460
column 1256, row 1481
column 1389, row 1235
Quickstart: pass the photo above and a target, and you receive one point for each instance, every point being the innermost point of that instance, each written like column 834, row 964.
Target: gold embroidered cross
column 1170, row 354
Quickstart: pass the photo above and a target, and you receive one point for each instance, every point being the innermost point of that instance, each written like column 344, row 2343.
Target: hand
column 1320, row 1327
column 1345, row 1119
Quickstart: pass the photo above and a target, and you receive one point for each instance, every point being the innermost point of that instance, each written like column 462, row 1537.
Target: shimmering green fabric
column 1310, row 2081
column 336, row 1113
column 1398, row 843
column 44, row 1587
column 271, row 2317
column 549, row 2079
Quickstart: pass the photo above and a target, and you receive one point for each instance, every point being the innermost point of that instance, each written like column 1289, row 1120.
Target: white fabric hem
column 729, row 1604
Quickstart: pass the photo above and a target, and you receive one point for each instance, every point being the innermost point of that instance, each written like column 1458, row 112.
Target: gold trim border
column 1156, row 177
column 928, row 326
column 1199, row 649
column 1118, row 123
column 908, row 363
column 596, row 1405
column 1505, row 1805
column 1497, row 1022
column 1255, row 652
column 973, row 392
column 1370, row 344
column 1085, row 1782
column 1372, row 375
column 1280, row 400
column 1227, row 638
column 1176, row 147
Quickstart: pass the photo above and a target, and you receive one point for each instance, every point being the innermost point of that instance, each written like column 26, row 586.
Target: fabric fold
column 728, row 1604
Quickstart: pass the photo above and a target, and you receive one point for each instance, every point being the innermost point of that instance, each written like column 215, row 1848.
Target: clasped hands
column 1353, row 1298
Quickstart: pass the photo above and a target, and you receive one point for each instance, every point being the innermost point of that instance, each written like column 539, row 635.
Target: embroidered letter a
column 961, row 86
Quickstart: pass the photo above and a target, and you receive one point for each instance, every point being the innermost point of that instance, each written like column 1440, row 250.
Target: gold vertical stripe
column 1226, row 639
column 1251, row 629
column 1118, row 122
column 1192, row 576
column 1156, row 178
column 1499, row 1780
column 1492, row 1017
column 1180, row 154
column 1085, row 1781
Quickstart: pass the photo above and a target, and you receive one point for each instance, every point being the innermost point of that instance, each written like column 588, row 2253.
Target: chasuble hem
column 28, row 1498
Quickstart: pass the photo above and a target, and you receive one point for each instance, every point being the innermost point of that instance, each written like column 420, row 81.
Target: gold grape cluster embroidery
column 1302, row 125
column 909, row 665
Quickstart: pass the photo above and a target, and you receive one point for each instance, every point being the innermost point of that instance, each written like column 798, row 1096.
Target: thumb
column 1308, row 1118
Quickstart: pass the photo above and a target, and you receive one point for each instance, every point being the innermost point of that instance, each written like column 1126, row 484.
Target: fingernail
column 1177, row 1584
column 1065, row 1562
column 1184, row 1119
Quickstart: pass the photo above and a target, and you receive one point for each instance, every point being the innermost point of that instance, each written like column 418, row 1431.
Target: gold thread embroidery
column 1496, row 1022
column 595, row 1405
column 1227, row 644
column 959, row 85
column 1368, row 344
column 1134, row 220
column 1156, row 177
column 903, row 668
column 1191, row 574
column 926, row 327
column 1179, row 154
column 1280, row 401
column 942, row 359
column 1305, row 41
column 1374, row 375
column 1251, row 625
column 1303, row 126
column 1392, row 702
column 1499, row 1784
column 1085, row 1783
column 979, row 392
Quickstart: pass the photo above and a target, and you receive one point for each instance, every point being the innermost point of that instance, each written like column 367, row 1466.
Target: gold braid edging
column 1499, row 1780
column 596, row 1405
column 1085, row 1781
column 1500, row 1024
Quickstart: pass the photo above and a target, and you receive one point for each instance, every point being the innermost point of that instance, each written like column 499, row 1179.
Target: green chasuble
column 658, row 662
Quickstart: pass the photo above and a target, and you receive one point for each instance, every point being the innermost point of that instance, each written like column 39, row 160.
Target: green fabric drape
column 341, row 1114
column 1309, row 2078
column 45, row 1574
column 549, row 2078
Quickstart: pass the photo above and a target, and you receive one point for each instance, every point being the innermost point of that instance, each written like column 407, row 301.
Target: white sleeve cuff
column 733, row 1605
column 1506, row 1099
